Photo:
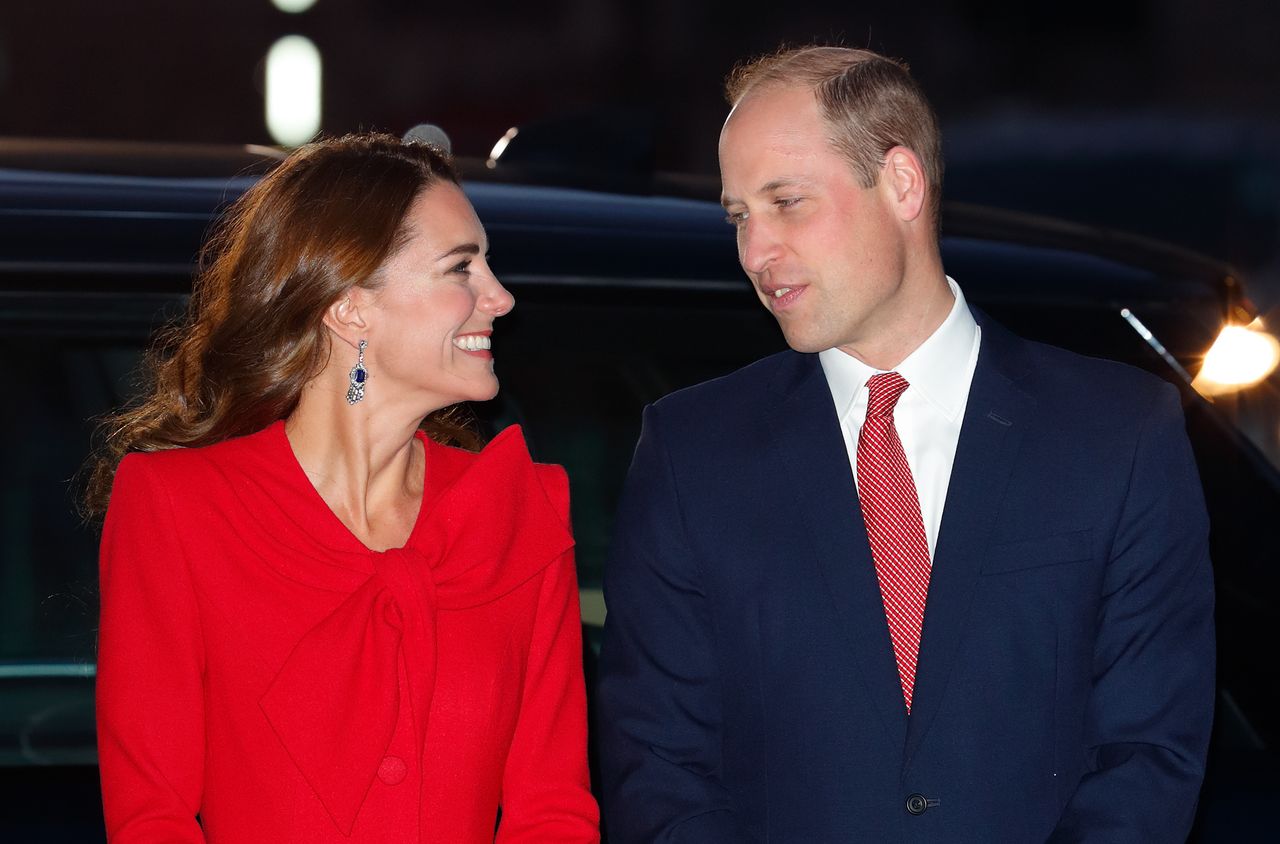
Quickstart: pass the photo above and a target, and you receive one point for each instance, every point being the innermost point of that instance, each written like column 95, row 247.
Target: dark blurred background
column 1156, row 116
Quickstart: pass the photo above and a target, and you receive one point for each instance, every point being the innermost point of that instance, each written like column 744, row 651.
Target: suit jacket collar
column 814, row 470
column 997, row 416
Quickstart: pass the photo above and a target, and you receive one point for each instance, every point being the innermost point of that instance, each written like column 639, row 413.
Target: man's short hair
column 870, row 102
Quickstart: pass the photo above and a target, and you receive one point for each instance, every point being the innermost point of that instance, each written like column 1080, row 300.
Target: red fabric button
column 392, row 770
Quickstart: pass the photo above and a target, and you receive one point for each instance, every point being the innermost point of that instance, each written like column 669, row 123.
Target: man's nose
column 758, row 246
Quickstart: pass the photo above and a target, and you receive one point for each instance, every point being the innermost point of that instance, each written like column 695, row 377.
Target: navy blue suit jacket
column 1065, row 682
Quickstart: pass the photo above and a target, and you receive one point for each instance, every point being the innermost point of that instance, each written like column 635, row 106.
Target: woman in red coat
column 320, row 622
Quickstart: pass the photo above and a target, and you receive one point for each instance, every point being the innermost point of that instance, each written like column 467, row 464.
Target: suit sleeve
column 1151, row 708
column 150, row 708
column 546, row 787
column 659, row 691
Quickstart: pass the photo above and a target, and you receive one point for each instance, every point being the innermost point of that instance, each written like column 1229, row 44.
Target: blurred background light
column 293, row 90
column 500, row 147
column 293, row 7
column 1241, row 356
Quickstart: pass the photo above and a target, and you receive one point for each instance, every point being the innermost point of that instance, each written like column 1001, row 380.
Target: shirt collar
column 930, row 369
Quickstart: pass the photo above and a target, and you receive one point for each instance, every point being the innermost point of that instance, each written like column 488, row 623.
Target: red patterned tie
column 895, row 530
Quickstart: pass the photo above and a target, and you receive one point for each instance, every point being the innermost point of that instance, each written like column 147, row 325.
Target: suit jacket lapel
column 815, row 475
column 994, row 421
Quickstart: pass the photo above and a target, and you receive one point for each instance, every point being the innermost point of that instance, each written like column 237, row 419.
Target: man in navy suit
column 916, row 579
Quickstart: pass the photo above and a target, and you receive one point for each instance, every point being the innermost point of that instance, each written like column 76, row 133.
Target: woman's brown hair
column 326, row 219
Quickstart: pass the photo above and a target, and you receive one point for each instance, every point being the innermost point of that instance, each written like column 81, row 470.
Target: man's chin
column 804, row 344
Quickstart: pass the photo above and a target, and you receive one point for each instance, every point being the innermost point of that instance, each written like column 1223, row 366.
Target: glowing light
column 500, row 147
column 1241, row 356
column 293, row 7
column 293, row 90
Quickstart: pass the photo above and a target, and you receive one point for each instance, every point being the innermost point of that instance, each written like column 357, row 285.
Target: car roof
column 70, row 227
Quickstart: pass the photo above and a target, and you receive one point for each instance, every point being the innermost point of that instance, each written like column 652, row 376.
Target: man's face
column 825, row 254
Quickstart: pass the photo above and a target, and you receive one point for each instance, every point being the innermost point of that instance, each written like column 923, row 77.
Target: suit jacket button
column 916, row 804
column 392, row 770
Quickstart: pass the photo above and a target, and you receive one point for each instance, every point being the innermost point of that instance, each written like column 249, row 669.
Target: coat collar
column 334, row 703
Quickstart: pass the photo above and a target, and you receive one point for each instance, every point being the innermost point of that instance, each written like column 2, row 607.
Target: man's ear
column 903, row 176
column 344, row 319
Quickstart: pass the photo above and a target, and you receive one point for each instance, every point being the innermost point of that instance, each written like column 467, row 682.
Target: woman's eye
column 463, row 267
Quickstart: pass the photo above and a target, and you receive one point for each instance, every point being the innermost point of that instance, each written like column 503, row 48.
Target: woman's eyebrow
column 463, row 249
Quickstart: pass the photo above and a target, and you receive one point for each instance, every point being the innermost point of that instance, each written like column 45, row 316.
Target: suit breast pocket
column 1038, row 552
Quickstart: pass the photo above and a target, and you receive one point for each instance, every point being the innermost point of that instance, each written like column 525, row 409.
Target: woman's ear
column 344, row 319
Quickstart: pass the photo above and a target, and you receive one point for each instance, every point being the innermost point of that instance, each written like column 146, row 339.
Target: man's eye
column 736, row 218
column 787, row 201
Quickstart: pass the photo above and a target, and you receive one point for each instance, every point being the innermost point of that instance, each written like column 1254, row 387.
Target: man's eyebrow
column 770, row 187
column 462, row 249
column 784, row 182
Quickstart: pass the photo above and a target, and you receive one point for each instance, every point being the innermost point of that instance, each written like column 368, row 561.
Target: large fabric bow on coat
column 335, row 702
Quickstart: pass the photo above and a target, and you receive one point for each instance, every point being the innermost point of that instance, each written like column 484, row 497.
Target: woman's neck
column 366, row 463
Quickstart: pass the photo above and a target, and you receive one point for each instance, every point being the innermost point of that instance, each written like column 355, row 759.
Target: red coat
column 259, row 667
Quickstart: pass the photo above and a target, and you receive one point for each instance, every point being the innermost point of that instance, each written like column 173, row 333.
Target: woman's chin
column 480, row 391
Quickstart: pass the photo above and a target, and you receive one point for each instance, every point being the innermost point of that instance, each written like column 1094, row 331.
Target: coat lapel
column 814, row 472
column 994, row 422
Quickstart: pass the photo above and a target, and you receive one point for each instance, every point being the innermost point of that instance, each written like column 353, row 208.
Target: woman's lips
column 477, row 344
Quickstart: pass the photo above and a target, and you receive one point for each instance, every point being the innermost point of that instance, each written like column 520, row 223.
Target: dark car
column 624, row 294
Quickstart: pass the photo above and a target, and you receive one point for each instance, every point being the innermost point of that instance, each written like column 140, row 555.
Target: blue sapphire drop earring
column 358, row 376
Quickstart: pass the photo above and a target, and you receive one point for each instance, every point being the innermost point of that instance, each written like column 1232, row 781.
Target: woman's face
column 430, row 321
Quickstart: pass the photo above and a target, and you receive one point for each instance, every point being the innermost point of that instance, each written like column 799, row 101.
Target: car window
column 578, row 363
column 73, row 361
column 48, row 576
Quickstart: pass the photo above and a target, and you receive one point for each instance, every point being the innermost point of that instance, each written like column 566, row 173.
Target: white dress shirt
column 930, row 411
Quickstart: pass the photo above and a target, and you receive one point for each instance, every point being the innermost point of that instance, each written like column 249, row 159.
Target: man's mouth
column 781, row 298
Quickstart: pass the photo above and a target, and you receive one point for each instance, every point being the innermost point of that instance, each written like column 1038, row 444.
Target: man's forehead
column 768, row 150
column 774, row 101
column 782, row 121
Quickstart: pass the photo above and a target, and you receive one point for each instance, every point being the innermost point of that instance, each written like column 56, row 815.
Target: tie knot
column 883, row 392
